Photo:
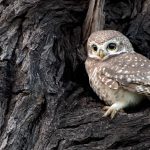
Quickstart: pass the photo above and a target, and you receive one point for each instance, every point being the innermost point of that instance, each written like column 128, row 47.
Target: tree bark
column 46, row 102
column 95, row 18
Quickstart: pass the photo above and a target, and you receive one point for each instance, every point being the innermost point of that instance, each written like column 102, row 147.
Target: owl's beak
column 101, row 53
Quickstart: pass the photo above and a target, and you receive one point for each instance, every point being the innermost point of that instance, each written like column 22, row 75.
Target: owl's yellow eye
column 94, row 47
column 111, row 46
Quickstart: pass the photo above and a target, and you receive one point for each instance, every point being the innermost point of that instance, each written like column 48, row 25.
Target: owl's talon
column 105, row 108
column 110, row 112
column 113, row 114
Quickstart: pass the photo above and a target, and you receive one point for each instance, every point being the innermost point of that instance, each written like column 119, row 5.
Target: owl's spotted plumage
column 119, row 75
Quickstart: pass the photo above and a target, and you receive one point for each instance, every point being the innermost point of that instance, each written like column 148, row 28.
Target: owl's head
column 107, row 43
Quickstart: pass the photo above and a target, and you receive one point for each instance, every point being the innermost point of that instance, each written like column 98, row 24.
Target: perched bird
column 117, row 74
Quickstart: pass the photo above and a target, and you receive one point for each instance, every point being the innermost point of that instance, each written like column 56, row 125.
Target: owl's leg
column 113, row 109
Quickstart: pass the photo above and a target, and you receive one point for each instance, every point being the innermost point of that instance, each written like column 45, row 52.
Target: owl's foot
column 112, row 110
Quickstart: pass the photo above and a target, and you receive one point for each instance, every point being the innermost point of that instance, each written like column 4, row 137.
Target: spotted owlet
column 117, row 74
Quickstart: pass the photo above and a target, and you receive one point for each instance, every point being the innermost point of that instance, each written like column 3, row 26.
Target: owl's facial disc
column 108, row 43
column 110, row 48
column 102, row 51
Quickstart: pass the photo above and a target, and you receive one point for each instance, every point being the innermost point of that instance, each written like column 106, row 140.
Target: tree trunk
column 46, row 102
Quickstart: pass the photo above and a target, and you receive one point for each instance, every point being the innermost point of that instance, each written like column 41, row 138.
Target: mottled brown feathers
column 129, row 69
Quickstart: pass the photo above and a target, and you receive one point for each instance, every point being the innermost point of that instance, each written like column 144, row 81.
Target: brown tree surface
column 45, row 99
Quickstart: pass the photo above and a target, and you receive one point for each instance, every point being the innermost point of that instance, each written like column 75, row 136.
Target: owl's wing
column 130, row 71
column 109, row 82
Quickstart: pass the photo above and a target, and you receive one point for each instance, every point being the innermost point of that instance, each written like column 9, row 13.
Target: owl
column 117, row 74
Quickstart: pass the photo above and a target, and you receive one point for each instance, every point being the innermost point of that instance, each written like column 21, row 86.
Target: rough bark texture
column 95, row 19
column 45, row 99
